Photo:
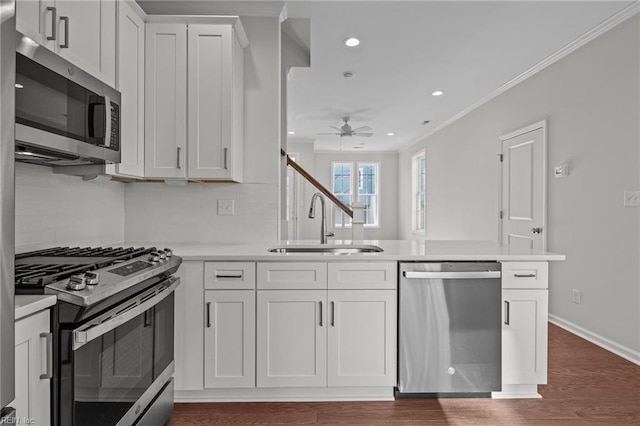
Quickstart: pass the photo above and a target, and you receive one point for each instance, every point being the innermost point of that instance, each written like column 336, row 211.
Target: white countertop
column 395, row 250
column 30, row 304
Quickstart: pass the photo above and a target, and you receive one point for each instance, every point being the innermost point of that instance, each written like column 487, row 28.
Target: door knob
column 536, row 230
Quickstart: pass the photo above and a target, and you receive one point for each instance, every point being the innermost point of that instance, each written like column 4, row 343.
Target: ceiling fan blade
column 366, row 135
column 336, row 128
column 362, row 129
column 324, row 134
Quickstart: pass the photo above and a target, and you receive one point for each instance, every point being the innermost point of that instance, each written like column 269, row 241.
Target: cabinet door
column 131, row 86
column 32, row 390
column 211, row 93
column 524, row 336
column 229, row 339
column 37, row 20
column 362, row 338
column 166, row 100
column 292, row 338
column 88, row 30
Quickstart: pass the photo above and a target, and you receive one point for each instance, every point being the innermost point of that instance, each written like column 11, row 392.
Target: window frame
column 416, row 175
column 355, row 191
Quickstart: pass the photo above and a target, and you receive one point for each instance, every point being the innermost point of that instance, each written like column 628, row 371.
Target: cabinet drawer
column 298, row 275
column 230, row 275
column 363, row 275
column 525, row 275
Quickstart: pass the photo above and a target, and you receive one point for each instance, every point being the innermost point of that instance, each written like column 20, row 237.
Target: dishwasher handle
column 467, row 275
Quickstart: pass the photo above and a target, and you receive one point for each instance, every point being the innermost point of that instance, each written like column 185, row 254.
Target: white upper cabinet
column 194, row 120
column 130, row 83
column 166, row 100
column 216, row 88
column 83, row 32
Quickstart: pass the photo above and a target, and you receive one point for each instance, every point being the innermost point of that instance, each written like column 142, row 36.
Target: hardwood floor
column 587, row 385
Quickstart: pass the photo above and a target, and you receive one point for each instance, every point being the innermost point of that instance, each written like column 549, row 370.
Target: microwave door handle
column 107, row 121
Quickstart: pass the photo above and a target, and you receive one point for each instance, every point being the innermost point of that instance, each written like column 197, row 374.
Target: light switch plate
column 225, row 207
column 631, row 198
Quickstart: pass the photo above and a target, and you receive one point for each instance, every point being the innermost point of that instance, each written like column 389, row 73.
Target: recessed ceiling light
column 19, row 86
column 391, row 134
column 352, row 42
column 347, row 75
column 438, row 93
column 291, row 132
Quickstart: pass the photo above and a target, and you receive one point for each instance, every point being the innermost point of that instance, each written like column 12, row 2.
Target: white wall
column 60, row 210
column 591, row 101
column 156, row 212
column 319, row 165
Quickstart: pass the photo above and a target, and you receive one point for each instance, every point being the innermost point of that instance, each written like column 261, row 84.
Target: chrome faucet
column 323, row 225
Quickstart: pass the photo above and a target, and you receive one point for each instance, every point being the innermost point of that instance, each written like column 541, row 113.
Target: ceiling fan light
column 437, row 93
column 352, row 42
column 391, row 134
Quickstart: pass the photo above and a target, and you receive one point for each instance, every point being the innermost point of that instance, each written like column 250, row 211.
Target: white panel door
column 210, row 92
column 229, row 339
column 32, row 390
column 362, row 338
column 87, row 36
column 524, row 336
column 292, row 338
column 166, row 100
column 131, row 86
column 523, row 189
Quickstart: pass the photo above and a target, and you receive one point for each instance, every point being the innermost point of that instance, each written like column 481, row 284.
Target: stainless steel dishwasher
column 449, row 328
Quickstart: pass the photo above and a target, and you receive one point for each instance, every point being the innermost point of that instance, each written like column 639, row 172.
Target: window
column 362, row 186
column 419, row 178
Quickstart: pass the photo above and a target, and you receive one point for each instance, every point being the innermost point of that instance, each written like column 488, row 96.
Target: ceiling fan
column 346, row 130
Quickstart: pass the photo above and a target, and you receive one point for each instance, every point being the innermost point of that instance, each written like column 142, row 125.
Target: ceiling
column 408, row 49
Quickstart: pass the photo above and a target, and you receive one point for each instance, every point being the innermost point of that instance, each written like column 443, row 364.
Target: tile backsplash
column 156, row 212
column 59, row 210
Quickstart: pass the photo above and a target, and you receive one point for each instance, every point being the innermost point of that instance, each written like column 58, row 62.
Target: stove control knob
column 76, row 282
column 162, row 254
column 91, row 278
column 168, row 252
column 154, row 257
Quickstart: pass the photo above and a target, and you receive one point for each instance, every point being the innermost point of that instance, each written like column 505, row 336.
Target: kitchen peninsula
column 255, row 325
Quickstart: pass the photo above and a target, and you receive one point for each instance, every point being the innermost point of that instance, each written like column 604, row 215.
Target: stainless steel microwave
column 64, row 116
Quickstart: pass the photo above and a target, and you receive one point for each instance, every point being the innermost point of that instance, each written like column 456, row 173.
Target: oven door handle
column 118, row 316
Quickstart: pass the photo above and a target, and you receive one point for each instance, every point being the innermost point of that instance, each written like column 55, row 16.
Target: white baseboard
column 616, row 348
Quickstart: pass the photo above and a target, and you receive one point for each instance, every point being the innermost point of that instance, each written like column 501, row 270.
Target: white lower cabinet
column 33, row 368
column 229, row 339
column 292, row 338
column 361, row 338
column 313, row 338
column 524, row 336
column 525, row 311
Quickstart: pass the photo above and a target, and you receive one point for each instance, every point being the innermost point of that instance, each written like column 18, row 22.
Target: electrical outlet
column 576, row 296
column 631, row 198
column 225, row 207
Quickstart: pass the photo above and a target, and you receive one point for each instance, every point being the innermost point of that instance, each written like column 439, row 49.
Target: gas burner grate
column 42, row 267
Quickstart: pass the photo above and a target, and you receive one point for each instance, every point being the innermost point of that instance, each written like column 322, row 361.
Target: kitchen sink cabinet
column 524, row 327
column 33, row 369
column 83, row 32
column 194, row 65
column 312, row 337
column 291, row 338
column 130, row 83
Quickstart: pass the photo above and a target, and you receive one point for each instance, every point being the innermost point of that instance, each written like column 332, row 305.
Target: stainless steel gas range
column 113, row 331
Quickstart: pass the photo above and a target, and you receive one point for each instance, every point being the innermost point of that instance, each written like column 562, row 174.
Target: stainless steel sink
column 326, row 248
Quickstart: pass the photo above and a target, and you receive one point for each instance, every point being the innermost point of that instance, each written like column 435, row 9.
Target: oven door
column 121, row 360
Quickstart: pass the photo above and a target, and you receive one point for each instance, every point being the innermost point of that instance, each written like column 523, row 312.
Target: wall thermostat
column 561, row 171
